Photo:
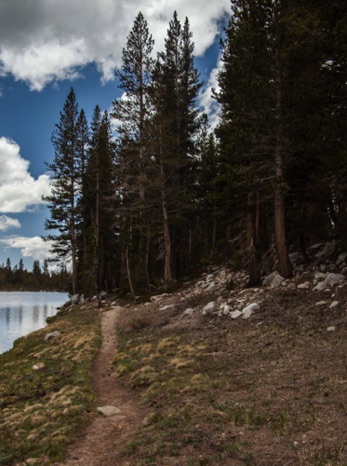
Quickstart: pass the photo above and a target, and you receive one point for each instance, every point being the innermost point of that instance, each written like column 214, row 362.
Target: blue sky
column 47, row 47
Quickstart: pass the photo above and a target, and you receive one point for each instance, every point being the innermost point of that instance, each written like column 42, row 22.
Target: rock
column 235, row 314
column 276, row 281
column 209, row 286
column 109, row 410
column 75, row 299
column 344, row 271
column 253, row 306
column 320, row 286
column 304, row 286
column 327, row 251
column 247, row 314
column 39, row 366
column 159, row 297
column 318, row 275
column 248, row 310
column 331, row 329
column 188, row 312
column 208, row 308
column 103, row 294
column 342, row 257
column 334, row 304
column 167, row 307
column 334, row 279
column 226, row 310
column 51, row 335
column 268, row 279
column 321, row 303
column 314, row 247
column 294, row 258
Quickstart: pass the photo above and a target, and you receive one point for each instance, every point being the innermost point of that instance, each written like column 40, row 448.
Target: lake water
column 24, row 312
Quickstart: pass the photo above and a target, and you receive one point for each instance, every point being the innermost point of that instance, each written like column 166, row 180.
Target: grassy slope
column 43, row 410
column 267, row 391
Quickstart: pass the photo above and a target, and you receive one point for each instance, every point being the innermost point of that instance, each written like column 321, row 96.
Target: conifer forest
column 149, row 192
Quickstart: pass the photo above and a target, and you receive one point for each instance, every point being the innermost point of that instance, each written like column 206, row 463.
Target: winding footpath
column 109, row 433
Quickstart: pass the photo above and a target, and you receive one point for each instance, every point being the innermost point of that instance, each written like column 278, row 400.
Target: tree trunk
column 253, row 263
column 279, row 207
column 167, row 238
column 129, row 272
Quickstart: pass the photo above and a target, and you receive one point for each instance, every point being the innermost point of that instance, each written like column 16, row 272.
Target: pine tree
column 174, row 135
column 252, row 130
column 133, row 112
column 66, row 185
column 99, row 201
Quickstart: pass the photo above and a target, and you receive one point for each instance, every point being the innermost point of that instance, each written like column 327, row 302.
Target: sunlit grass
column 43, row 410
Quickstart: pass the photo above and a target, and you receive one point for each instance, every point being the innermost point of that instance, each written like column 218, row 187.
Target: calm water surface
column 24, row 312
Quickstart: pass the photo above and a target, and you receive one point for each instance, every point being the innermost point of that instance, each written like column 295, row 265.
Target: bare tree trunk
column 279, row 207
column 129, row 272
column 167, row 238
column 74, row 264
column 214, row 232
column 253, row 265
column 148, row 243
column 73, row 249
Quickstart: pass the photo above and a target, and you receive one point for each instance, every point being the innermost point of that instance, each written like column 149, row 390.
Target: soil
column 107, row 435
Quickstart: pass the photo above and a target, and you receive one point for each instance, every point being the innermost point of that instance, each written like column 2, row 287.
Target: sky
column 49, row 46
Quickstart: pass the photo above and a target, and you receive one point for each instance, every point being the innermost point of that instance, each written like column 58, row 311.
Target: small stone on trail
column 235, row 314
column 334, row 304
column 331, row 329
column 108, row 410
column 321, row 303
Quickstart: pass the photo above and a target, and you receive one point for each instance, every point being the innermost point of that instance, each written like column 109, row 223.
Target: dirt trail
column 106, row 437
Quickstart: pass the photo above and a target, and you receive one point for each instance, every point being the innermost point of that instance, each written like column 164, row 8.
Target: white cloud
column 6, row 223
column 18, row 189
column 33, row 247
column 207, row 101
column 45, row 40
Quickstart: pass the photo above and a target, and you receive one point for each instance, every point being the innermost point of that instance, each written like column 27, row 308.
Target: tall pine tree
column 132, row 113
column 66, row 185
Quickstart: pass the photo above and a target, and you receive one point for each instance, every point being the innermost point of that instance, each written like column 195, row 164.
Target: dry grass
column 264, row 392
column 43, row 411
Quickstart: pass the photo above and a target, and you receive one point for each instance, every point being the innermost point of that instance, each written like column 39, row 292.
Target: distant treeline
column 17, row 278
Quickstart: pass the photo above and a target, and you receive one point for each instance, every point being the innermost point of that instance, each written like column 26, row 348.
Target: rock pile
column 231, row 299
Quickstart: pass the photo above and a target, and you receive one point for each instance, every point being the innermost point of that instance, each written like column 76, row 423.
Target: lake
column 24, row 312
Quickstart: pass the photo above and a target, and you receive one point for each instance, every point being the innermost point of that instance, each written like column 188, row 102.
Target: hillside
column 266, row 388
column 212, row 373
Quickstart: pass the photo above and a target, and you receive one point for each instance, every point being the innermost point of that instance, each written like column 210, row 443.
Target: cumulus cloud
column 33, row 247
column 7, row 222
column 207, row 101
column 18, row 189
column 45, row 40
